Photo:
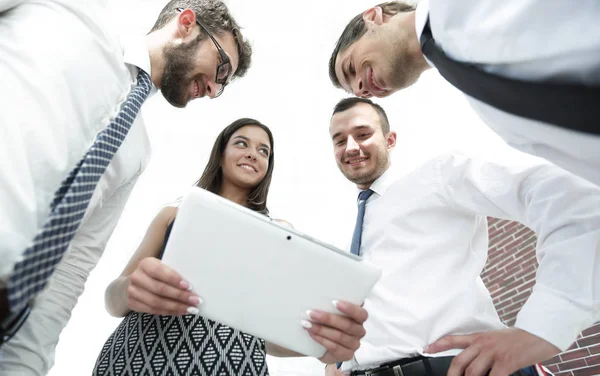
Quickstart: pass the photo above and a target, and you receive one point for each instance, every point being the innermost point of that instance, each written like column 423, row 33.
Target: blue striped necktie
column 357, row 236
column 31, row 274
column 363, row 196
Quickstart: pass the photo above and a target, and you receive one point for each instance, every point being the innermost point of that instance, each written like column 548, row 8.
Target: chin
column 177, row 103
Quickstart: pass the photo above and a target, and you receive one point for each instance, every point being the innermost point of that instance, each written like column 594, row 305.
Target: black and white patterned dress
column 154, row 345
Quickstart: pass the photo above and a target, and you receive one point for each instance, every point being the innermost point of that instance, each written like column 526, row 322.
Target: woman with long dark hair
column 162, row 336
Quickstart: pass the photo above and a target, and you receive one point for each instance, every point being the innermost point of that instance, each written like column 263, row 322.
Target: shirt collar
column 421, row 15
column 135, row 53
column 382, row 183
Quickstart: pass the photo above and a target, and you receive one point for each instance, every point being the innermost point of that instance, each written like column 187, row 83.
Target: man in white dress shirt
column 64, row 78
column 427, row 230
column 531, row 44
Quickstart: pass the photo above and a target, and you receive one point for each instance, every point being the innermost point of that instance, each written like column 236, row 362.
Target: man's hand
column 157, row 289
column 500, row 352
column 339, row 334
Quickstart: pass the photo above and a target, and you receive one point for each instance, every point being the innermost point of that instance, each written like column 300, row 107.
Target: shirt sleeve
column 31, row 351
column 48, row 118
column 563, row 210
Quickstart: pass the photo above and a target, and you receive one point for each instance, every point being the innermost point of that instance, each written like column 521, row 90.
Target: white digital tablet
column 258, row 276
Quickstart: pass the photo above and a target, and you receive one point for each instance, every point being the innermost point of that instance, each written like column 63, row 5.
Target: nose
column 212, row 89
column 251, row 155
column 351, row 145
column 359, row 89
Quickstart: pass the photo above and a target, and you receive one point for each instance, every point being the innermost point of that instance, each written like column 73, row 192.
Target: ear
column 186, row 23
column 390, row 140
column 374, row 15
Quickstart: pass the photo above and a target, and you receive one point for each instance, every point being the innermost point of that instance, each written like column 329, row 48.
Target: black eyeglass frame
column 225, row 61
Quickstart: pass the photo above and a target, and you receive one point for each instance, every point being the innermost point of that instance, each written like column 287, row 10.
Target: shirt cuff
column 553, row 318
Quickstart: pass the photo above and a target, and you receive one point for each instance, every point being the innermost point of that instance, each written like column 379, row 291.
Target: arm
column 31, row 350
column 564, row 211
column 146, row 284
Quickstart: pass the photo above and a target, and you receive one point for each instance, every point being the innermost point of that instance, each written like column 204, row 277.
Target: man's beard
column 179, row 61
column 366, row 178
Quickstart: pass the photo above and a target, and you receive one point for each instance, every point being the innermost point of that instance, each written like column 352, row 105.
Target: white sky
column 288, row 89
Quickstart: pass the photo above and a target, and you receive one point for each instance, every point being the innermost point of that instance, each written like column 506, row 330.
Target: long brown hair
column 212, row 177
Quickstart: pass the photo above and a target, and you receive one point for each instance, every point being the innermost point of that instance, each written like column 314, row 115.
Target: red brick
column 593, row 360
column 575, row 354
column 595, row 329
column 525, row 252
column 521, row 297
column 568, row 373
column 590, row 371
column 503, row 304
column 515, row 306
column 594, row 349
column 574, row 345
column 494, row 232
column 587, row 341
column 496, row 259
column 531, row 240
column 510, row 284
column 492, row 253
column 511, row 226
column 524, row 231
column 573, row 364
column 492, row 220
column 552, row 367
column 493, row 288
column 523, row 275
column 514, row 245
column 505, row 294
column 529, row 262
column 527, row 274
column 506, row 241
column 527, row 286
column 495, row 273
column 512, row 267
column 501, row 264
column 556, row 359
column 510, row 322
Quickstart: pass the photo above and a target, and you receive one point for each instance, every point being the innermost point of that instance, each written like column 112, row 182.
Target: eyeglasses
column 224, row 67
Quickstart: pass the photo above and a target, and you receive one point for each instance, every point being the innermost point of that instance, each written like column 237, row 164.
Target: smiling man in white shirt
column 529, row 68
column 431, row 314
column 65, row 77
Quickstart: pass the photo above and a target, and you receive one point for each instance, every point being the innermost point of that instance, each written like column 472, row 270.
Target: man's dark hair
column 356, row 28
column 215, row 16
column 348, row 103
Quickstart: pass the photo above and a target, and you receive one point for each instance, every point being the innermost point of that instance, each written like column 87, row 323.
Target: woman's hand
column 155, row 288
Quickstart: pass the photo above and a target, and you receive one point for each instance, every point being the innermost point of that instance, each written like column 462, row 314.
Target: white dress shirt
column 68, row 78
column 531, row 40
column 427, row 231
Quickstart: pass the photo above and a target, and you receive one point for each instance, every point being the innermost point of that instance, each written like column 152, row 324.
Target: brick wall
column 509, row 275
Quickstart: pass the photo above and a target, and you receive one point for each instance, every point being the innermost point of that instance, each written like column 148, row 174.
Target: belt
column 10, row 323
column 417, row 366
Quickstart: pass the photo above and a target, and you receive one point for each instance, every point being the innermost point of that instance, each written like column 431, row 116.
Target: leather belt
column 418, row 366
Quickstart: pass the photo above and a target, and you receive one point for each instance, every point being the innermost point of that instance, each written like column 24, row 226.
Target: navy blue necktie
column 357, row 235
column 571, row 106
column 31, row 274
